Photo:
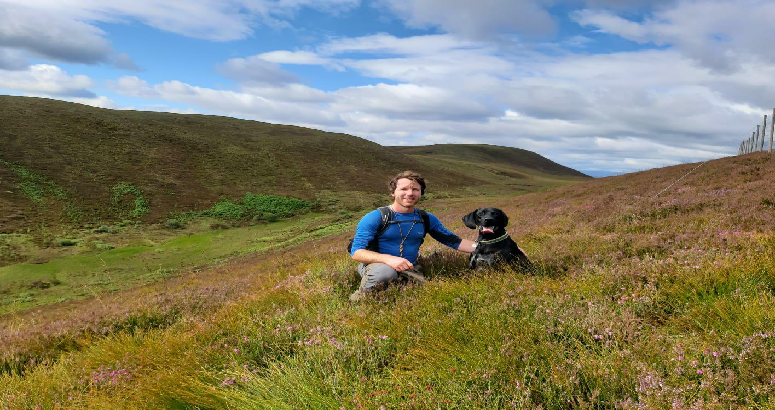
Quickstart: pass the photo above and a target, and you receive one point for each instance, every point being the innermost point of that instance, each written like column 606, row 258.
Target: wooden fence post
column 753, row 142
column 756, row 141
column 764, row 131
column 772, row 128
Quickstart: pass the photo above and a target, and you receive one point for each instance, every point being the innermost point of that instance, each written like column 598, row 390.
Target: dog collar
column 504, row 236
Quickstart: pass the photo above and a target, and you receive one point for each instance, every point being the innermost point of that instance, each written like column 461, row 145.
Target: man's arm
column 395, row 262
column 467, row 246
column 445, row 236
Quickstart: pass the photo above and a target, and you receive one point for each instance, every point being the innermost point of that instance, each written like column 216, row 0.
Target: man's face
column 407, row 192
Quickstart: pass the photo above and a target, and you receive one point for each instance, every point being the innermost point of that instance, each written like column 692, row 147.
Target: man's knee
column 377, row 273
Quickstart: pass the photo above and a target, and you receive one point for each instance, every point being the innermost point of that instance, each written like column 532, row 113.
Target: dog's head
column 488, row 220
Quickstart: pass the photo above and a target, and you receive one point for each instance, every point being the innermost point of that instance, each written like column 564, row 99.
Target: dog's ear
column 470, row 220
column 505, row 219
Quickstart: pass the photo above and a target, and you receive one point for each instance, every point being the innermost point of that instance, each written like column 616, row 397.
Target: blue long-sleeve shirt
column 409, row 226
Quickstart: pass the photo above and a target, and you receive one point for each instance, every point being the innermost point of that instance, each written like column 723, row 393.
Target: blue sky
column 603, row 86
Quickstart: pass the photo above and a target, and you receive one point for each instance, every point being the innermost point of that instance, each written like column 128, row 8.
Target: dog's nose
column 488, row 221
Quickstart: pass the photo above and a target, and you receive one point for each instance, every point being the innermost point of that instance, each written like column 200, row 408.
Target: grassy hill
column 640, row 301
column 69, row 165
column 510, row 163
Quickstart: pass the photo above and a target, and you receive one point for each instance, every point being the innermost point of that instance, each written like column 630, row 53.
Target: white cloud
column 51, row 34
column 428, row 59
column 132, row 86
column 389, row 44
column 298, row 93
column 628, row 4
column 435, row 68
column 608, row 22
column 720, row 34
column 483, row 19
column 301, row 111
column 256, row 70
column 47, row 80
column 408, row 101
column 294, row 57
column 204, row 19
column 99, row 102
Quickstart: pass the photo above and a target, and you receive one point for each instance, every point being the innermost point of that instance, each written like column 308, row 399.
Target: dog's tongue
column 488, row 229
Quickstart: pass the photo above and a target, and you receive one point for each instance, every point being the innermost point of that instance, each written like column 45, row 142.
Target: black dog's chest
column 478, row 258
column 488, row 251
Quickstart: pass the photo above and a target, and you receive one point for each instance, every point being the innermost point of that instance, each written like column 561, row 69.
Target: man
column 398, row 246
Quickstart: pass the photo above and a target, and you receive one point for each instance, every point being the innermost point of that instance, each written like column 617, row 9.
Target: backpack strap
column 386, row 215
column 426, row 220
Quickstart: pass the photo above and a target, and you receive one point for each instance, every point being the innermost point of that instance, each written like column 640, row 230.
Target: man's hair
column 411, row 175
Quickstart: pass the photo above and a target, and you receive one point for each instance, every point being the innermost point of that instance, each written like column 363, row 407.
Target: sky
column 602, row 86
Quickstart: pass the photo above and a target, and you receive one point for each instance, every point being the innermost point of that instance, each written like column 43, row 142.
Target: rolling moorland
column 67, row 165
column 639, row 301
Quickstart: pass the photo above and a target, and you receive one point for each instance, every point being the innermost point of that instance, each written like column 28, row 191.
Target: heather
column 638, row 302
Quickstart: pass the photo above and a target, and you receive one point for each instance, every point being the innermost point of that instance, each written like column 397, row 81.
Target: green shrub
column 66, row 242
column 102, row 246
column 173, row 224
column 105, row 229
column 280, row 206
column 252, row 207
column 226, row 209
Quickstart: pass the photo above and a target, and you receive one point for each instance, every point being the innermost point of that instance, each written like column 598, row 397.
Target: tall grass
column 637, row 302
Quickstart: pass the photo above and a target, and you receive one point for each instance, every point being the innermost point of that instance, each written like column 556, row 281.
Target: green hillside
column 638, row 301
column 66, row 164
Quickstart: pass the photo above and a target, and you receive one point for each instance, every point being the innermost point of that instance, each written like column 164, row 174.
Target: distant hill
column 61, row 163
column 511, row 167
column 491, row 156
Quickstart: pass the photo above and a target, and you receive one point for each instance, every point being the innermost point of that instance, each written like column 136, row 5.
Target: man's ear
column 470, row 220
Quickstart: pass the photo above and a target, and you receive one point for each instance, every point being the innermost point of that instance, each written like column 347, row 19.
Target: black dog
column 494, row 245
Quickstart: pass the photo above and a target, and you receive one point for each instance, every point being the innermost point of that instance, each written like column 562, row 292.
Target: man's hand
column 395, row 262
column 398, row 263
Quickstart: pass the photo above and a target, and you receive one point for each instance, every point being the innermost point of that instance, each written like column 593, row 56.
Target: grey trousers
column 374, row 274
